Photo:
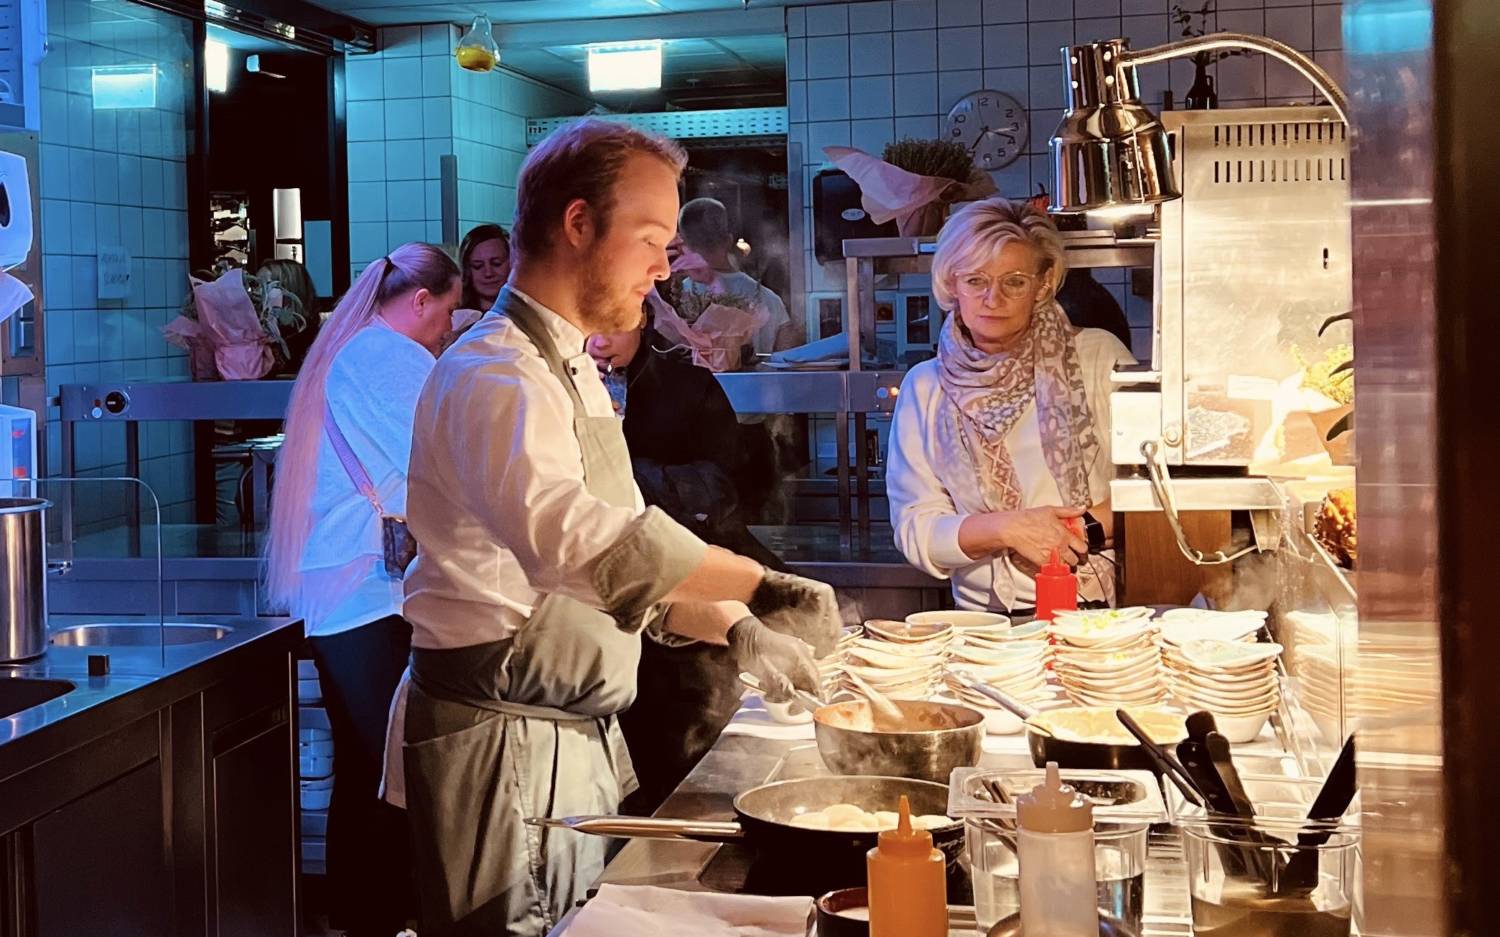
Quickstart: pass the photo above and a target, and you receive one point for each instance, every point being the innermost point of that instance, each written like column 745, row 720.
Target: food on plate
column 847, row 818
column 1335, row 527
column 1099, row 724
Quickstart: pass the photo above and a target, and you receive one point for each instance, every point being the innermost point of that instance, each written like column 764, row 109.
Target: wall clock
column 992, row 126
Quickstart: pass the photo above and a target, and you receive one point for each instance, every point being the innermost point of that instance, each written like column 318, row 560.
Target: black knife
column 1333, row 799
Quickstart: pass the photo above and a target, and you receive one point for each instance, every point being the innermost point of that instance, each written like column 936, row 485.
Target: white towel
column 648, row 911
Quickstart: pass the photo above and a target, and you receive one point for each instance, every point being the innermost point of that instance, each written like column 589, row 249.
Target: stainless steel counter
column 737, row 762
column 138, row 675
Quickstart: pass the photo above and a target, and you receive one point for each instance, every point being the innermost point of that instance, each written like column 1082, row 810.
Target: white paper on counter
column 648, row 911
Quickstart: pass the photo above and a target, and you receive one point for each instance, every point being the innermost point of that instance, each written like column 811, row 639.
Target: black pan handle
column 1009, row 702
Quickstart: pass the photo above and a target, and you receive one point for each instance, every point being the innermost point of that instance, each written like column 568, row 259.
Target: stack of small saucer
column 1012, row 660
column 1018, row 669
column 906, row 669
column 1108, row 657
column 1235, row 680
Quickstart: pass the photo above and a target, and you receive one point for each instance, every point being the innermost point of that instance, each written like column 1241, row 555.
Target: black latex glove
column 778, row 661
column 797, row 606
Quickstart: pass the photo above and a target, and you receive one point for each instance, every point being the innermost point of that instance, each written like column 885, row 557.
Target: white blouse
column 932, row 486
column 372, row 388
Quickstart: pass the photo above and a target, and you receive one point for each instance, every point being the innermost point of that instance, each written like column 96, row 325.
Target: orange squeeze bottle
column 908, row 883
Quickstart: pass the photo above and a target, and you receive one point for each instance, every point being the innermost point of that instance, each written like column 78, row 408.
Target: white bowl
column 963, row 620
column 1240, row 729
column 790, row 713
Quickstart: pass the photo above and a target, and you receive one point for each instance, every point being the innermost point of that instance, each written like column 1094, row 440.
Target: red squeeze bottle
column 1056, row 589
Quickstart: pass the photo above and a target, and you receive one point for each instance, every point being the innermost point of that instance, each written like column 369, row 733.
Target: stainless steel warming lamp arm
column 1305, row 66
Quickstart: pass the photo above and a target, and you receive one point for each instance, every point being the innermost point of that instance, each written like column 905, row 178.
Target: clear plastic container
column 1275, row 875
column 1126, row 804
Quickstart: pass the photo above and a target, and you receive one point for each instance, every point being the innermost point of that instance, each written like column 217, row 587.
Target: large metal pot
column 933, row 739
column 23, row 592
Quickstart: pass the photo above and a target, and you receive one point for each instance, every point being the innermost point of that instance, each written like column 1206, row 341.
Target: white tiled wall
column 865, row 74
column 410, row 104
column 107, row 178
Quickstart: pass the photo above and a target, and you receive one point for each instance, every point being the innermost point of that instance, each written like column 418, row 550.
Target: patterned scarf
column 991, row 392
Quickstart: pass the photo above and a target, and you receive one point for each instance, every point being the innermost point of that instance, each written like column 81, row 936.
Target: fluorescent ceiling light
column 636, row 67
column 117, row 87
column 216, row 65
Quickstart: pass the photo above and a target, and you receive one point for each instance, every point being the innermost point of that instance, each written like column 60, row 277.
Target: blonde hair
column 407, row 268
column 977, row 233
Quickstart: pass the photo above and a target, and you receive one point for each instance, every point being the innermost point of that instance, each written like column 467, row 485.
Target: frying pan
column 1067, row 753
column 763, row 822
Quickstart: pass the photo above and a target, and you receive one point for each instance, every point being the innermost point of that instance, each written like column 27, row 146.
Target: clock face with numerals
column 991, row 125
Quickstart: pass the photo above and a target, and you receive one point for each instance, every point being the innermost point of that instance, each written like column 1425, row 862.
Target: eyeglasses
column 1014, row 285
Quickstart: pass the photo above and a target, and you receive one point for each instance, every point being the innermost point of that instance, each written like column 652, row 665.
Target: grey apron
column 519, row 728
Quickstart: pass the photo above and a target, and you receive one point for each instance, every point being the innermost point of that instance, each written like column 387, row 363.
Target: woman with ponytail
column 350, row 417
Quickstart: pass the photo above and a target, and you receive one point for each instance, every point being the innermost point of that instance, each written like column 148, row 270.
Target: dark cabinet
column 254, row 816
column 178, row 817
column 99, row 863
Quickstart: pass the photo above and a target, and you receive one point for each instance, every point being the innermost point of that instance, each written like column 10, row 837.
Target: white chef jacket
column 932, row 485
column 496, row 485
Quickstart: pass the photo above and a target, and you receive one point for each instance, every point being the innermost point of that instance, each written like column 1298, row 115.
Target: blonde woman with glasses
column 999, row 446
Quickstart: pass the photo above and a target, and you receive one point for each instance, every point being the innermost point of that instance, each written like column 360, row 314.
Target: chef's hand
column 1033, row 534
column 778, row 661
column 804, row 608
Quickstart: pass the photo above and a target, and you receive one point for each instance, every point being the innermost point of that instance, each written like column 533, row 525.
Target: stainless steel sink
column 18, row 693
column 137, row 634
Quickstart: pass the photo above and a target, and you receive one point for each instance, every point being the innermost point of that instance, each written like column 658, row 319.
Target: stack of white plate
column 831, row 668
column 900, row 671
column 934, row 637
column 1018, row 669
column 1235, row 680
column 1107, row 657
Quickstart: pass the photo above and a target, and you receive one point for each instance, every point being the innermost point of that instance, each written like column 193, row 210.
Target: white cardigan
column 932, row 486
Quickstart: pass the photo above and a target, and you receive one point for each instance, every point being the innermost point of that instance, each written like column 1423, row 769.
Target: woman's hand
column 1032, row 534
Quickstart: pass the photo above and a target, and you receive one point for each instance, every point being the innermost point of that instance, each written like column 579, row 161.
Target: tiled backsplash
column 410, row 104
column 865, row 74
column 114, row 177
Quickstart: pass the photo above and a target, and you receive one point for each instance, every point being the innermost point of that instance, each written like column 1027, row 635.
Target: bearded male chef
column 538, row 566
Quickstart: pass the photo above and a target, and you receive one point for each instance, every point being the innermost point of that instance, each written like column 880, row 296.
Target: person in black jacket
column 1090, row 305
column 690, row 459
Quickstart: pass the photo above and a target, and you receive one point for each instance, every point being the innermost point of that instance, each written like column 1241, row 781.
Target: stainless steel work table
column 737, row 762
